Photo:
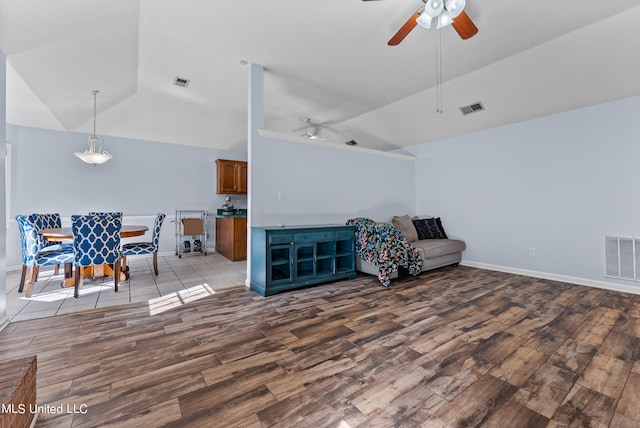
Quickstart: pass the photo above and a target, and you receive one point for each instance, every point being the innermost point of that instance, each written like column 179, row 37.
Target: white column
column 3, row 220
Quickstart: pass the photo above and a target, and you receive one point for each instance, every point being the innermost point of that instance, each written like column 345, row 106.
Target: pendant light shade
column 94, row 154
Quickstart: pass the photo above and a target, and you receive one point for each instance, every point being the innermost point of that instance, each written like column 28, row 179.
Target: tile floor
column 178, row 277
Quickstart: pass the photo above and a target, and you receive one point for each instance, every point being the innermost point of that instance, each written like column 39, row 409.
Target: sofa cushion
column 432, row 248
column 429, row 228
column 406, row 227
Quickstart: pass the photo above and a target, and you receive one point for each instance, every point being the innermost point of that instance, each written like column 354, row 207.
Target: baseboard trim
column 555, row 277
column 4, row 321
column 160, row 253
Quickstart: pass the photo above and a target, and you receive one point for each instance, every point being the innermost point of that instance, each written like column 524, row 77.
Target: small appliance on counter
column 227, row 208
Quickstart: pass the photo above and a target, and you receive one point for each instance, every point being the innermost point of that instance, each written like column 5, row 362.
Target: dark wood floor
column 456, row 347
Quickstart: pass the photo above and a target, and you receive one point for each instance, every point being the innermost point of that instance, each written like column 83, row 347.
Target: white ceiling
column 326, row 60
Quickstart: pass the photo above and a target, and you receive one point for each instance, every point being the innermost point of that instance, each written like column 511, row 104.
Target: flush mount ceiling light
column 94, row 154
column 306, row 134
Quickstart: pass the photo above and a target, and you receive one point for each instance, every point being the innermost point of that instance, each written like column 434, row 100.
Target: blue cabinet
column 284, row 258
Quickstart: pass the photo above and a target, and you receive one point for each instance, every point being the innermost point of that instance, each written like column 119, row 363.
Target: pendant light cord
column 95, row 93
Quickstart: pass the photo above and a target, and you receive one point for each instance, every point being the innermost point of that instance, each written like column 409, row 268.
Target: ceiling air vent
column 181, row 81
column 471, row 108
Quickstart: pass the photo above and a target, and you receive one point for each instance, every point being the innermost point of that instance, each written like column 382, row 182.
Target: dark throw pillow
column 430, row 228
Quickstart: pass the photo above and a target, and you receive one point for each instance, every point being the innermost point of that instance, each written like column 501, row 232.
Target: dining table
column 64, row 234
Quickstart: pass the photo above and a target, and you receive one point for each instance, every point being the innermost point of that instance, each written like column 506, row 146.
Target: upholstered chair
column 114, row 214
column 137, row 248
column 34, row 255
column 46, row 221
column 49, row 221
column 96, row 241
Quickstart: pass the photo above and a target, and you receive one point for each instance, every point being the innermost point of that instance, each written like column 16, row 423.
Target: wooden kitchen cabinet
column 232, row 177
column 231, row 238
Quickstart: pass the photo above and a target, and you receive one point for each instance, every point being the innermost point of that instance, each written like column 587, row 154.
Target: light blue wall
column 326, row 185
column 294, row 183
column 558, row 184
column 142, row 179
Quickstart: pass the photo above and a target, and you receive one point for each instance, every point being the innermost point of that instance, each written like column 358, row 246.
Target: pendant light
column 94, row 154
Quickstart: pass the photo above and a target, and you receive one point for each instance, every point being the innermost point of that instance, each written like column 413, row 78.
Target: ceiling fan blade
column 404, row 30
column 464, row 26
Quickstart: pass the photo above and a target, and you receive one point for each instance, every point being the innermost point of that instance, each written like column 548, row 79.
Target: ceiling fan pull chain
column 438, row 71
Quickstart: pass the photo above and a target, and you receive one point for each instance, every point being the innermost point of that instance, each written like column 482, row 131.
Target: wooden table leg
column 108, row 271
column 97, row 271
column 86, row 272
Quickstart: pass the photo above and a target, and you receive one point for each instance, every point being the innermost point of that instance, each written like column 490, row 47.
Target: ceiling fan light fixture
column 424, row 20
column 433, row 8
column 444, row 19
column 454, row 7
column 308, row 135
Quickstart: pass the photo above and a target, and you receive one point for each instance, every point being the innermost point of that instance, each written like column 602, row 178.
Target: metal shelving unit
column 197, row 241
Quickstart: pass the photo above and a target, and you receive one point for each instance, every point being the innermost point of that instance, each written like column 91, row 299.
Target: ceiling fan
column 444, row 12
column 307, row 134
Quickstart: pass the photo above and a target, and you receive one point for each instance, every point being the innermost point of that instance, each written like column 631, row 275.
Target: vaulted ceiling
column 324, row 60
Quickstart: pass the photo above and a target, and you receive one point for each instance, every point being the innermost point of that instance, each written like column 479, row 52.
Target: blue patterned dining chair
column 137, row 248
column 96, row 241
column 113, row 214
column 34, row 255
column 46, row 221
column 49, row 221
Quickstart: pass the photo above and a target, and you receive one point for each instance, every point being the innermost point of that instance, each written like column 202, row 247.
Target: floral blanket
column 386, row 247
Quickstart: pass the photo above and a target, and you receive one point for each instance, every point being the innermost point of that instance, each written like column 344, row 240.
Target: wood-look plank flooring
column 456, row 347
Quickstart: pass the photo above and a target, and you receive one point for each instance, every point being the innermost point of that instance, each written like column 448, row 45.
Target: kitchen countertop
column 239, row 213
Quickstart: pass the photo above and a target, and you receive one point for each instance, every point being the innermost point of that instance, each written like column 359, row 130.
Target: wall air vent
column 472, row 108
column 622, row 257
column 182, row 82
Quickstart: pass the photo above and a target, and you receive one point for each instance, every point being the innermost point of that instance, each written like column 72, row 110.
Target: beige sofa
column 434, row 252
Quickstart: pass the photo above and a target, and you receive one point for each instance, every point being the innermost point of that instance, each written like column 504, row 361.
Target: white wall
column 558, row 184
column 143, row 179
column 323, row 184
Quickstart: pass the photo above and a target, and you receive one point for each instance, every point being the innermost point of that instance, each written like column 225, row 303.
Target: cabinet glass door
column 280, row 264
column 305, row 260
column 344, row 255
column 325, row 258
